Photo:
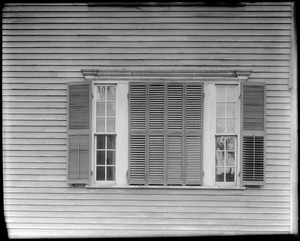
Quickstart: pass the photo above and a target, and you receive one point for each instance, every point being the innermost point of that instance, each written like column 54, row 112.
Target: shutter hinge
column 240, row 96
column 91, row 172
column 202, row 174
column 128, row 96
column 92, row 95
column 203, row 95
column 239, row 174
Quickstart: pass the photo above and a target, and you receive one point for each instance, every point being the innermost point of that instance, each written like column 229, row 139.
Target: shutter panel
column 79, row 132
column 156, row 160
column 174, row 160
column 137, row 169
column 253, row 122
column 156, row 127
column 193, row 140
column 165, row 133
column 138, row 142
column 175, row 149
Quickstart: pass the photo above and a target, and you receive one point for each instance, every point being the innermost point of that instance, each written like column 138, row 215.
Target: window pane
column 100, row 142
column 110, row 124
column 230, row 159
column 220, row 158
column 220, row 125
column 100, row 109
column 110, row 173
column 230, row 174
column 230, row 143
column 220, row 143
column 100, row 93
column 100, row 175
column 111, row 157
column 220, row 174
column 111, row 92
column 111, row 110
column 230, row 126
column 100, row 125
column 111, row 142
column 100, row 157
column 231, row 110
column 220, row 110
column 220, row 93
column 231, row 93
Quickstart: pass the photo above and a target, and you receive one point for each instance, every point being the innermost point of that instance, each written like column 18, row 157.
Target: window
column 166, row 133
column 226, row 134
column 105, row 132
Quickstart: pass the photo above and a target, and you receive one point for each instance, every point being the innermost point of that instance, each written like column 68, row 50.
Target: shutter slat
column 79, row 107
column 253, row 159
column 137, row 159
column 194, row 107
column 79, row 132
column 175, row 106
column 193, row 160
column 156, row 106
column 138, row 106
column 156, row 160
column 253, row 166
column 253, row 107
column 174, row 160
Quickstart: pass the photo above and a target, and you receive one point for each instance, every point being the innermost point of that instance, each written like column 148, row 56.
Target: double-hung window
column 226, row 138
column 166, row 133
column 105, row 135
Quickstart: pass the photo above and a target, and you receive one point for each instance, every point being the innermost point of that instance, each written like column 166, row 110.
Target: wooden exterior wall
column 46, row 45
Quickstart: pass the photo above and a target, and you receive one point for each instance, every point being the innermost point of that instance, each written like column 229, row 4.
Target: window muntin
column 105, row 141
column 226, row 134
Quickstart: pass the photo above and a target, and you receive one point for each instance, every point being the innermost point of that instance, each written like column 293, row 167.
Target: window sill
column 168, row 187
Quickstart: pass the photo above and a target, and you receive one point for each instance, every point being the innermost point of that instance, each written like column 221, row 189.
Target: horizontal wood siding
column 46, row 45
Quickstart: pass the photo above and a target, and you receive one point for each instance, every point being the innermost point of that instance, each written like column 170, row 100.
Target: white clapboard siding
column 45, row 46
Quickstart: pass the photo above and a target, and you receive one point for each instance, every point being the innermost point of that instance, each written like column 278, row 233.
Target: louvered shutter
column 165, row 133
column 193, row 139
column 156, row 125
column 253, row 123
column 79, row 132
column 138, row 143
column 175, row 140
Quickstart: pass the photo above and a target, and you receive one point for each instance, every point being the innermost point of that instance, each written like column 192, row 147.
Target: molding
column 90, row 73
column 214, row 74
column 243, row 74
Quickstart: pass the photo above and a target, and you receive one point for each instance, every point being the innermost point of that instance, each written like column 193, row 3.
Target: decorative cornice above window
column 243, row 74
column 209, row 75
